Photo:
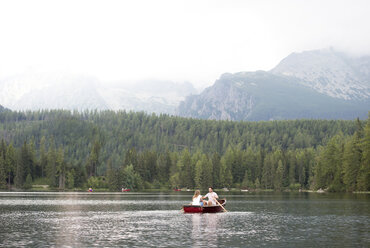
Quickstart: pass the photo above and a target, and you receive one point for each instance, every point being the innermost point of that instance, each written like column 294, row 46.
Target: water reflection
column 70, row 221
column 150, row 220
column 205, row 229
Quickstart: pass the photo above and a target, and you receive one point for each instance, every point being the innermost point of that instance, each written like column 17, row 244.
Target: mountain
column 2, row 109
column 149, row 96
column 265, row 96
column 317, row 84
column 330, row 72
column 35, row 91
column 314, row 84
column 50, row 91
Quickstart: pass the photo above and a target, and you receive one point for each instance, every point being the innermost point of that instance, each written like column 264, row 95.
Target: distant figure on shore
column 212, row 197
column 320, row 191
column 90, row 189
column 197, row 198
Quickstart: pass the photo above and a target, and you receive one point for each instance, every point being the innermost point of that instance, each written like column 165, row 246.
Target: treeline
column 134, row 150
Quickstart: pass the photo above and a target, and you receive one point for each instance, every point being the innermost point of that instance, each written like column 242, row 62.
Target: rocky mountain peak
column 329, row 72
column 314, row 84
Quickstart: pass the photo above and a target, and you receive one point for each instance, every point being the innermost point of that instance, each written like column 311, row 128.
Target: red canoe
column 205, row 209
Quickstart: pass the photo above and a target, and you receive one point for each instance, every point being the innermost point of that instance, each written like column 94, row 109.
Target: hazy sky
column 186, row 40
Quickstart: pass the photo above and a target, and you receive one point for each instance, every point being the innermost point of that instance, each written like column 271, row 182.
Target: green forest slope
column 135, row 150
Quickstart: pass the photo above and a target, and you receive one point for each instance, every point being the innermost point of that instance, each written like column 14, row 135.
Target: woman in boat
column 197, row 198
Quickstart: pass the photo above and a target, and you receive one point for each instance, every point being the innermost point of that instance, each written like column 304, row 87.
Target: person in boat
column 197, row 198
column 212, row 198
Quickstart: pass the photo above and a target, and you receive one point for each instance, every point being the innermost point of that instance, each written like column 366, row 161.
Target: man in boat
column 212, row 198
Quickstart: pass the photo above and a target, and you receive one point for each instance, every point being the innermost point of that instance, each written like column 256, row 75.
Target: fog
column 193, row 41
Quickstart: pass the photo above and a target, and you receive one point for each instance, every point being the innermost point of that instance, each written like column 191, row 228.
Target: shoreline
column 232, row 190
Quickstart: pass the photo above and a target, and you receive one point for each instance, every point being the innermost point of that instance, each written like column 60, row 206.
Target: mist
column 193, row 41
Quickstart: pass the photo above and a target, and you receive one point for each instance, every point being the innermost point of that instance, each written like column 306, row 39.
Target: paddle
column 221, row 205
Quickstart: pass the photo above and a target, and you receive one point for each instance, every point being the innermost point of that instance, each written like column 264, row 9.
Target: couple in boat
column 199, row 200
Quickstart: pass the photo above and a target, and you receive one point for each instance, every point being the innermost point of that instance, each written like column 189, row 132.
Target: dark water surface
column 155, row 220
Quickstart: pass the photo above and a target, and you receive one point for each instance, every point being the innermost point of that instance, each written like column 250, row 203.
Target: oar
column 221, row 205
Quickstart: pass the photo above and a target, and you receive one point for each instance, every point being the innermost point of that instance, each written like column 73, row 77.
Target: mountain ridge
column 75, row 92
column 330, row 72
column 262, row 95
column 311, row 84
column 321, row 84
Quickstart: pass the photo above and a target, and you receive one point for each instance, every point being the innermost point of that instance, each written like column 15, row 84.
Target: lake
column 154, row 220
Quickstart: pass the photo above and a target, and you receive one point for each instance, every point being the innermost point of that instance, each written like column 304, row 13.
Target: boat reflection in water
column 205, row 230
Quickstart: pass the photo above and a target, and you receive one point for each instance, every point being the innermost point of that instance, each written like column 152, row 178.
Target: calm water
column 155, row 220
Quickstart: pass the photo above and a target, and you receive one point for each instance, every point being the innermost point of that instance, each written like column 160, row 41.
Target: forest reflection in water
column 155, row 220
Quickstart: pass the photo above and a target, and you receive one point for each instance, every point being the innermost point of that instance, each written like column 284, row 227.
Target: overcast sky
column 186, row 40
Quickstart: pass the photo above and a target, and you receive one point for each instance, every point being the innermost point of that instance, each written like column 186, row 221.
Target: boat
column 205, row 209
column 176, row 189
column 125, row 190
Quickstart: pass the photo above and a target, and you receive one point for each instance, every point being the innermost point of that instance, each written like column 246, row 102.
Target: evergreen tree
column 26, row 161
column 113, row 177
column 2, row 173
column 51, row 171
column 131, row 158
column 19, row 172
column 131, row 179
column 10, row 163
column 61, row 169
column 363, row 178
column 251, row 168
column 3, row 149
column 32, row 167
column 267, row 172
column 257, row 184
column 186, row 170
column 226, row 178
column 216, row 163
column 23, row 167
column 246, row 181
column 278, row 179
column 164, row 165
column 351, row 164
column 43, row 156
column 28, row 182
column 292, row 160
column 207, row 172
column 70, row 181
column 93, row 160
column 147, row 165
column 329, row 169
column 198, row 175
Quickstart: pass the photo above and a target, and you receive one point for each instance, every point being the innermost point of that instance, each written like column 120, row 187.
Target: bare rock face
column 329, row 72
column 225, row 100
column 316, row 84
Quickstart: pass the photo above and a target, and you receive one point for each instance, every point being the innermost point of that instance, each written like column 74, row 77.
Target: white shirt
column 212, row 197
column 196, row 200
